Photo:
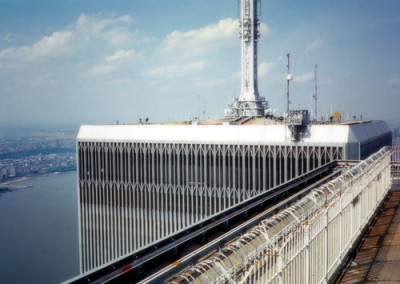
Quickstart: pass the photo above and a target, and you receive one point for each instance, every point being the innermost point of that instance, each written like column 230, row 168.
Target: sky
column 74, row 62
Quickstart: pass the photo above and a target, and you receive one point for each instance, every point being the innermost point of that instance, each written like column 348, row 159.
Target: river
column 39, row 231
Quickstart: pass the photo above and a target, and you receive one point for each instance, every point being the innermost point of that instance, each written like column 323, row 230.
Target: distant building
column 3, row 174
column 11, row 172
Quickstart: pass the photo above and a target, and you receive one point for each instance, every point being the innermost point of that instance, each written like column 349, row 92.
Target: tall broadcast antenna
column 249, row 103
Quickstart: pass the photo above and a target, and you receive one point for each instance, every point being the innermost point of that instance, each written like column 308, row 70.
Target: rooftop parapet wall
column 233, row 134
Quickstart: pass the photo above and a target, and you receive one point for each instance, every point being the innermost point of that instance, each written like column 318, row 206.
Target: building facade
column 139, row 184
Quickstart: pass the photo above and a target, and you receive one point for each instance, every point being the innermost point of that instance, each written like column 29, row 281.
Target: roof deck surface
column 378, row 256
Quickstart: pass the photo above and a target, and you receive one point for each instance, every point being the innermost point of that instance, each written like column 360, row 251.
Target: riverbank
column 10, row 185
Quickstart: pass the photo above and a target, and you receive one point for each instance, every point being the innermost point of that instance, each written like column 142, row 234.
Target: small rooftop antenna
column 296, row 119
column 289, row 77
column 315, row 94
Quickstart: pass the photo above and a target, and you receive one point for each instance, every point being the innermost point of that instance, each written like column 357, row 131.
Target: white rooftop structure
column 228, row 134
column 350, row 133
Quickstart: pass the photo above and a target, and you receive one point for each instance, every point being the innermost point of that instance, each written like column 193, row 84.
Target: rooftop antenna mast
column 249, row 103
column 289, row 77
column 315, row 94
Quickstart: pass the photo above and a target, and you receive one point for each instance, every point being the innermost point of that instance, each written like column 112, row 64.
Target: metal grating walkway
column 377, row 259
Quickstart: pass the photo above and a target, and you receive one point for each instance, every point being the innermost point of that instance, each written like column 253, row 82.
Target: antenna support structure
column 249, row 103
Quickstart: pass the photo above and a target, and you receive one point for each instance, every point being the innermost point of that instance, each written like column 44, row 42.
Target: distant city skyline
column 84, row 62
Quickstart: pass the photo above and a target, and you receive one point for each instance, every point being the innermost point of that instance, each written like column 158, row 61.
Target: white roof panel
column 235, row 134
column 184, row 133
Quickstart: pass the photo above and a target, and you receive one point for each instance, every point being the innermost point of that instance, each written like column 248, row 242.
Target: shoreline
column 15, row 180
column 7, row 183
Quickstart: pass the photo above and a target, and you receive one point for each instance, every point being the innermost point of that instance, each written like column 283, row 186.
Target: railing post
column 281, row 265
column 307, row 251
column 326, row 243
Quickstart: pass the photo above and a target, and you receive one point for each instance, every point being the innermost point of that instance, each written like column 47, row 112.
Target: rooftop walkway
column 377, row 259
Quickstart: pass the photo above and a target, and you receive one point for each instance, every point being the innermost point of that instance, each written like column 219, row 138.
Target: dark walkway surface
column 378, row 256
